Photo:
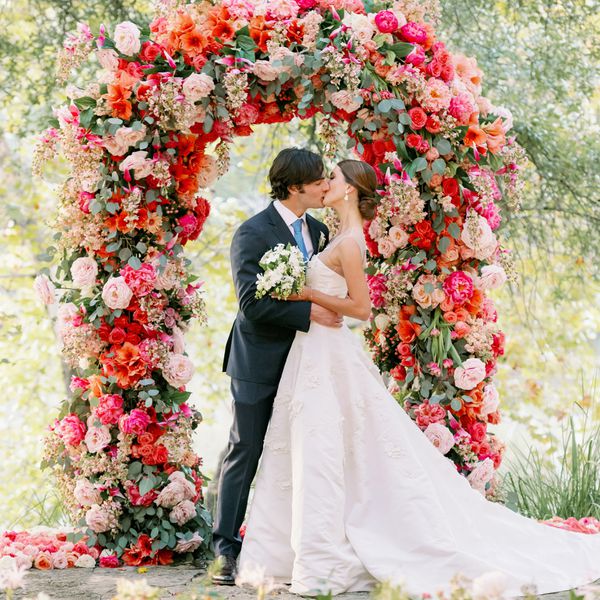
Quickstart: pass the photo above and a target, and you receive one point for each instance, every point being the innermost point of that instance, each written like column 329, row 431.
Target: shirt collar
column 286, row 214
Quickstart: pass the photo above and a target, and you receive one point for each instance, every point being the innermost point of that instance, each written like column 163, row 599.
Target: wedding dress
column 350, row 491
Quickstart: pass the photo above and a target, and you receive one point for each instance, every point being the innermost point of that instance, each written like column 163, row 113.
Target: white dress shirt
column 290, row 217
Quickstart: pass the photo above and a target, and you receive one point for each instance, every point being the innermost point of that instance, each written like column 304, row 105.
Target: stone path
column 100, row 584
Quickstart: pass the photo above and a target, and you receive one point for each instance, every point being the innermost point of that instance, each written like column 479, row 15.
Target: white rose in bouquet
column 284, row 272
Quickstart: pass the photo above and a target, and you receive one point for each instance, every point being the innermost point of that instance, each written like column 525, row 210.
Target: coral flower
column 117, row 100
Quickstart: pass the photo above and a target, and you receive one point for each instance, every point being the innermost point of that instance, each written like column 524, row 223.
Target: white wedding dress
column 350, row 491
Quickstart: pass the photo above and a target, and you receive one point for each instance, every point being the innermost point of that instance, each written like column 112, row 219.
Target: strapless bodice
column 320, row 277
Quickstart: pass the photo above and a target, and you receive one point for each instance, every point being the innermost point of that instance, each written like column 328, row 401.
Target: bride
column 350, row 491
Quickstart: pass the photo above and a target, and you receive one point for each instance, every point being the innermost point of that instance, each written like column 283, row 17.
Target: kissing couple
column 349, row 491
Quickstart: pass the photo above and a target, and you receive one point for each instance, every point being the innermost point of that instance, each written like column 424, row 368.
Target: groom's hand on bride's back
column 326, row 317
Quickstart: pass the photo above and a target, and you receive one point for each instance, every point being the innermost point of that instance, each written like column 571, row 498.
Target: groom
column 262, row 334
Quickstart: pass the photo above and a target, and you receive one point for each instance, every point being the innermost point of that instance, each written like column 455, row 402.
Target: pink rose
column 135, row 422
column 124, row 138
column 458, row 286
column 109, row 561
column 377, row 288
column 97, row 438
column 177, row 490
column 386, row 21
column 127, row 38
column 440, row 436
column 45, row 289
column 482, row 239
column 84, row 271
column 178, row 370
column 71, row 429
column 59, row 560
column 109, row 409
column 470, row 374
column 116, row 293
column 478, row 431
column 386, row 247
column 492, row 277
column 197, row 86
column 426, row 414
column 140, row 281
column 183, row 512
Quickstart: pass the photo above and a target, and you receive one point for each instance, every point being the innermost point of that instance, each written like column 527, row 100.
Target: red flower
column 413, row 140
column 423, row 236
column 433, row 124
column 418, row 117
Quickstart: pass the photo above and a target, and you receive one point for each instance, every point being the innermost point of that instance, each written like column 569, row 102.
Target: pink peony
column 377, row 289
column 416, row 57
column 110, row 561
column 470, row 374
column 481, row 474
column 178, row 370
column 435, row 96
column 426, row 414
column 140, row 281
column 461, row 108
column 458, row 286
column 97, row 438
column 414, row 33
column 492, row 215
column 398, row 236
column 109, row 409
column 116, row 293
column 386, row 21
column 440, row 436
column 70, row 429
column 84, row 271
column 135, row 422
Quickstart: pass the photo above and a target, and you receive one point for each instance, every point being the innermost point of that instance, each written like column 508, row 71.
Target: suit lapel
column 283, row 231
column 314, row 232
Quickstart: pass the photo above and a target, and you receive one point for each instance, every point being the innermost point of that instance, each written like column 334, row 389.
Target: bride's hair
column 361, row 176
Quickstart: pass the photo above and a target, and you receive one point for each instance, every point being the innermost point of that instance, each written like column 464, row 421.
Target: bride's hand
column 303, row 296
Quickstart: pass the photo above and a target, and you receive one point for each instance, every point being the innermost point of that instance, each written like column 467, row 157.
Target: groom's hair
column 293, row 166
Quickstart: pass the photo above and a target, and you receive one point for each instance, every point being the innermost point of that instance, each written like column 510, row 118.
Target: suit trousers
column 252, row 407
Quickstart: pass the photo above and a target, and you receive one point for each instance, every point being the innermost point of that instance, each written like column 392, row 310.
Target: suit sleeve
column 247, row 248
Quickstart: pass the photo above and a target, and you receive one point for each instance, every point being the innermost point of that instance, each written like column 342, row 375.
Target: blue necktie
column 297, row 225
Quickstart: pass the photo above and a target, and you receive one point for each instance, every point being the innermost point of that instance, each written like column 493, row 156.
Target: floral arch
column 155, row 128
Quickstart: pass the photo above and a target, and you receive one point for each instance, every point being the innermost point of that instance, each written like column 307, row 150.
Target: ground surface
column 100, row 584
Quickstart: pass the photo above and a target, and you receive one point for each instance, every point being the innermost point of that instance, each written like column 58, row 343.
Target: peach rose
column 97, row 438
column 492, row 277
column 440, row 436
column 84, row 271
column 427, row 292
column 99, row 520
column 124, row 138
column 45, row 289
column 116, row 293
column 386, row 247
column 178, row 370
column 346, row 100
column 127, row 38
column 183, row 512
column 189, row 545
column 139, row 163
column 198, row 86
column 481, row 474
column 43, row 561
column 471, row 373
column 398, row 236
column 266, row 71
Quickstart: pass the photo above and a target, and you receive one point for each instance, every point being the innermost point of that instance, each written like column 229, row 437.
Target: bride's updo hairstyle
column 361, row 176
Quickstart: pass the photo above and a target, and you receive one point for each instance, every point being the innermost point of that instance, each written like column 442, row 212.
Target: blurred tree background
column 539, row 59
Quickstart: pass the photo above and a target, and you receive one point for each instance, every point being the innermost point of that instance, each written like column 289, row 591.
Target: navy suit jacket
column 264, row 329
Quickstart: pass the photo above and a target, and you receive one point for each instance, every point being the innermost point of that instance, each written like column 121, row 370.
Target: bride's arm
column 358, row 302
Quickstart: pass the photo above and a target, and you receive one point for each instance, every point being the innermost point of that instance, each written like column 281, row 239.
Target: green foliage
column 568, row 486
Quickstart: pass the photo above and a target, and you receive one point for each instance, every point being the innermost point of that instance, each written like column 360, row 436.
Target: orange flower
column 260, row 32
column 193, row 42
column 126, row 365
column 95, row 386
column 117, row 100
column 408, row 331
column 475, row 303
column 43, row 561
column 495, row 136
column 475, row 135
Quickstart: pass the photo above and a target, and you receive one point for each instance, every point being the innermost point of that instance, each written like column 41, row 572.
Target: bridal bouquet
column 284, row 272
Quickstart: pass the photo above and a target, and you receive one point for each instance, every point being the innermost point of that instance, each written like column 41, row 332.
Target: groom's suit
column 255, row 355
